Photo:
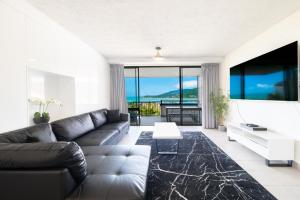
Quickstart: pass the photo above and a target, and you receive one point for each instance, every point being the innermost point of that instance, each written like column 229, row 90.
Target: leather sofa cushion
column 115, row 126
column 114, row 172
column 41, row 133
column 44, row 156
column 113, row 116
column 17, row 136
column 96, row 138
column 27, row 184
column 99, row 117
column 73, row 127
column 38, row 133
column 124, row 117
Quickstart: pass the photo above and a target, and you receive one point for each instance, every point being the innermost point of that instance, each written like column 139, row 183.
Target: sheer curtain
column 210, row 83
column 117, row 88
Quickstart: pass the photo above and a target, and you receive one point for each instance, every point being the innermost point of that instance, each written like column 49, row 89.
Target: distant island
column 187, row 93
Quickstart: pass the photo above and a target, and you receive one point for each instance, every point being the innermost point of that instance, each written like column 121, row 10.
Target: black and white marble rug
column 201, row 170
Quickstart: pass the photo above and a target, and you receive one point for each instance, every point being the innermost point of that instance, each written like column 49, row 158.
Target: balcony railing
column 157, row 108
column 147, row 108
column 190, row 113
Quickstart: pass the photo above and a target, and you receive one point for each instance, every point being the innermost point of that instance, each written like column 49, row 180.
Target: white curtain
column 210, row 83
column 117, row 88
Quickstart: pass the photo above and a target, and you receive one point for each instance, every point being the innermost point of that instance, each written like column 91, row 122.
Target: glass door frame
column 180, row 77
column 181, row 101
column 137, row 93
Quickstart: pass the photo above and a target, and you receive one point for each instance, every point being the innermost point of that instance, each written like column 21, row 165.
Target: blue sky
column 262, row 85
column 155, row 86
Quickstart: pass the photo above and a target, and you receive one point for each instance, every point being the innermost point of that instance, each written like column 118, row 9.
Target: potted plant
column 220, row 105
column 43, row 116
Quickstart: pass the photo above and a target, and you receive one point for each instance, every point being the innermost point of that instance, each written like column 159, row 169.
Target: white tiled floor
column 282, row 182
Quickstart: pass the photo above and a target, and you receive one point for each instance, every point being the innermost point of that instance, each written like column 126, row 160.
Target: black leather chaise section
column 115, row 172
column 35, row 166
column 36, row 184
column 71, row 128
column 44, row 155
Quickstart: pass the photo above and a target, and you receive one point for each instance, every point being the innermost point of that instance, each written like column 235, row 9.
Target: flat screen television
column 272, row 76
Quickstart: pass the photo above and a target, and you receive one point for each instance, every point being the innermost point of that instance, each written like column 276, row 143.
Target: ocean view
column 153, row 99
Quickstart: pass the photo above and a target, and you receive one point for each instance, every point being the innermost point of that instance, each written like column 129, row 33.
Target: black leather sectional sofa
column 73, row 158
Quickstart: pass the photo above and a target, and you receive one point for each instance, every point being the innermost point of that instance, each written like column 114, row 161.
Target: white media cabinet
column 272, row 146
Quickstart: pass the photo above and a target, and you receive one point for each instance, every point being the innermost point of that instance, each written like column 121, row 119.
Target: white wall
column 283, row 117
column 29, row 39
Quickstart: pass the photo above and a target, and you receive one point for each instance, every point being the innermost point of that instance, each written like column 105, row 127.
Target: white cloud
column 263, row 86
column 188, row 84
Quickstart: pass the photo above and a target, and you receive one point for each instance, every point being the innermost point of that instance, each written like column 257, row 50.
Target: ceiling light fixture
column 158, row 55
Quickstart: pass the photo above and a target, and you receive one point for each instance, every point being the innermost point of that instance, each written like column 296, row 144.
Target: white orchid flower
column 44, row 103
column 49, row 101
column 35, row 100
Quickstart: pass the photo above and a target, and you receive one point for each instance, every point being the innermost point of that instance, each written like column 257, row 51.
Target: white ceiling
column 162, row 72
column 183, row 28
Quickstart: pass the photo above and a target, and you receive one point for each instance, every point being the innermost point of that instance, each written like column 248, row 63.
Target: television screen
column 272, row 76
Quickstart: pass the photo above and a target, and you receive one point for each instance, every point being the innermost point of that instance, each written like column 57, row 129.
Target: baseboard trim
column 296, row 165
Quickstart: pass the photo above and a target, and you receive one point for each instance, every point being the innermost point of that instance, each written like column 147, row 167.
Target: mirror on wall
column 57, row 90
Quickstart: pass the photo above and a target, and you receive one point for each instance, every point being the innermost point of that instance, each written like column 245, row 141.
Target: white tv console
column 270, row 145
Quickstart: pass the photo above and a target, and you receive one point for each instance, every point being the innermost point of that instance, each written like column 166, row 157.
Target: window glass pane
column 191, row 105
column 159, row 87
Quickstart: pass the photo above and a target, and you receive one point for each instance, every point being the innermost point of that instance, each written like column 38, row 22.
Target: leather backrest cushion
column 99, row 117
column 44, row 156
column 17, row 136
column 113, row 116
column 73, row 127
column 41, row 133
column 38, row 133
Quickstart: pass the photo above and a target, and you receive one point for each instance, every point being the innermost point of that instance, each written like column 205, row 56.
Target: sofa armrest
column 44, row 155
column 45, row 184
column 124, row 117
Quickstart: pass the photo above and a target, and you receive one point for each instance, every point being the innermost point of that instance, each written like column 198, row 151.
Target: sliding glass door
column 163, row 94
column 133, row 94
column 159, row 88
column 190, row 101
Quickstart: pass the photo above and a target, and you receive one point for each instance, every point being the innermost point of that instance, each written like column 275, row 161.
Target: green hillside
column 187, row 93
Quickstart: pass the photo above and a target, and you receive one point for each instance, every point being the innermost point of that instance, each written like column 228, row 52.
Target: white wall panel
column 29, row 39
